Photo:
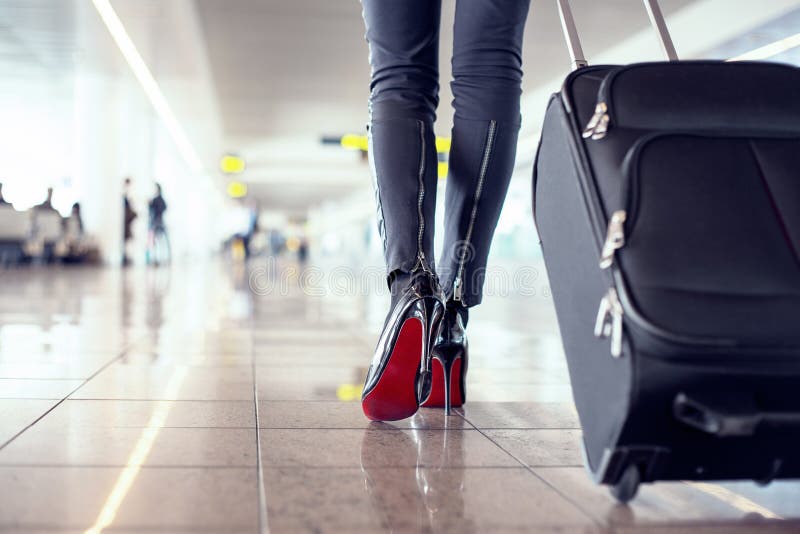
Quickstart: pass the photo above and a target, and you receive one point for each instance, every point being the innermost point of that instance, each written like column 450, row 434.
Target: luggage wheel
column 625, row 489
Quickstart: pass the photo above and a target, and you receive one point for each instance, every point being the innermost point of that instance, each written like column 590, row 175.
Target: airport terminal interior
column 192, row 283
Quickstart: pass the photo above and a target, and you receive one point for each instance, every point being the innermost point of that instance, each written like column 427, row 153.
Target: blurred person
column 47, row 231
column 75, row 221
column 302, row 251
column 73, row 228
column 243, row 221
column 158, row 249
column 129, row 215
column 276, row 242
column 252, row 228
column 13, row 233
column 47, row 205
column 421, row 356
column 74, row 246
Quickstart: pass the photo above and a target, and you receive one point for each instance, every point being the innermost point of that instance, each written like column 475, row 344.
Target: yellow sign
column 237, row 190
column 361, row 142
column 348, row 392
column 230, row 164
column 355, row 142
column 442, row 170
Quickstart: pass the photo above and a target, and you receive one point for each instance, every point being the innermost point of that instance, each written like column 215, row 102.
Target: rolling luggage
column 667, row 201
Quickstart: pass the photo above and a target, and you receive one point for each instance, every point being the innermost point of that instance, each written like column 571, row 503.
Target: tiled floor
column 182, row 401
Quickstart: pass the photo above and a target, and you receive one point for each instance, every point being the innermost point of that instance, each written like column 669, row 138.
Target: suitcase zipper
column 458, row 286
column 630, row 314
column 611, row 312
column 598, row 124
column 617, row 303
column 609, row 321
column 615, row 238
column 626, row 308
column 616, row 232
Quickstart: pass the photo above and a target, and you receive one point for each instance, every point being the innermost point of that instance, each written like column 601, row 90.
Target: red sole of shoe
column 394, row 396
column 436, row 398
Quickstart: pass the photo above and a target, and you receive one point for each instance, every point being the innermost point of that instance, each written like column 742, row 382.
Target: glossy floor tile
column 30, row 388
column 342, row 415
column 540, row 447
column 170, row 382
column 522, row 415
column 381, row 447
column 109, row 446
column 179, row 400
column 417, row 500
column 138, row 413
column 173, row 499
column 18, row 414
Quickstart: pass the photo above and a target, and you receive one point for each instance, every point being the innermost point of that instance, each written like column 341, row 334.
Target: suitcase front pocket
column 712, row 237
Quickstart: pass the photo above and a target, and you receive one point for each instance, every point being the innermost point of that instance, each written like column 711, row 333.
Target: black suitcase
column 667, row 201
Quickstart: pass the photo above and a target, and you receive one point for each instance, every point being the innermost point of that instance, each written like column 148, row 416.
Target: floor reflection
column 154, row 400
column 432, row 492
column 138, row 456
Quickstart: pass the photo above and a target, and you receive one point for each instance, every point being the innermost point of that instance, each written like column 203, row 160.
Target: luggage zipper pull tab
column 457, row 289
column 609, row 321
column 602, row 128
column 598, row 124
column 615, row 238
column 616, row 324
column 601, row 324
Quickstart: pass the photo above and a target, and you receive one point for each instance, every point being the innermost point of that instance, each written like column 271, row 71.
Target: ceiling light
column 148, row 83
column 770, row 50
column 230, row 164
column 237, row 190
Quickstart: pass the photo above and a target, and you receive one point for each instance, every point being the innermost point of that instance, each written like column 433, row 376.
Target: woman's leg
column 403, row 39
column 487, row 84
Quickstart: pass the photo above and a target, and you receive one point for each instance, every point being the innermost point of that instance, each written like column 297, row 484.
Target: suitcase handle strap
column 578, row 59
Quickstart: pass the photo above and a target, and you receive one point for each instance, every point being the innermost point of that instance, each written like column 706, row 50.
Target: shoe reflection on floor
column 432, row 494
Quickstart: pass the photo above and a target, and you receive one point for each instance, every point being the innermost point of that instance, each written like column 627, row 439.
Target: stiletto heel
column 400, row 365
column 447, row 367
column 449, row 362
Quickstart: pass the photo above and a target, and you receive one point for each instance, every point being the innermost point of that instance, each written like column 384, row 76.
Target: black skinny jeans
column 403, row 38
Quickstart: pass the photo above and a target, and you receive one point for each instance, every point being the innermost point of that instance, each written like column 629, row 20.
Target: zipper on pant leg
column 458, row 285
column 421, row 260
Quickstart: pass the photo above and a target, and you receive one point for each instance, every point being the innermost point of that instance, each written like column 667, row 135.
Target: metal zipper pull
column 598, row 124
column 609, row 321
column 616, row 327
column 457, row 289
column 615, row 238
column 602, row 128
column 601, row 324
